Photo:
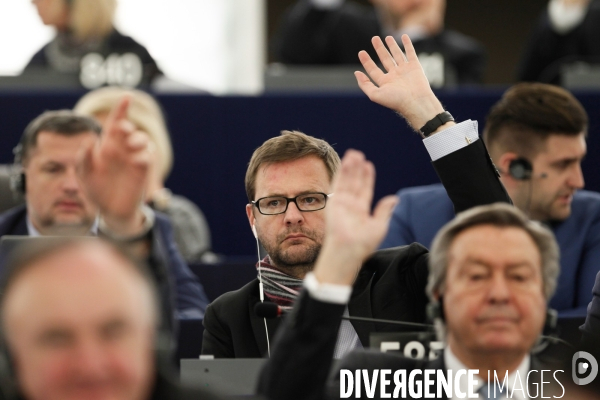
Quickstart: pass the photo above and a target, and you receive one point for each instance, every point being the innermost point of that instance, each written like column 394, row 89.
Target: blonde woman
column 192, row 233
column 87, row 43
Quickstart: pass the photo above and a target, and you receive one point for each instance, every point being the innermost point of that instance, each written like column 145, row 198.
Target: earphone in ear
column 254, row 232
column 520, row 169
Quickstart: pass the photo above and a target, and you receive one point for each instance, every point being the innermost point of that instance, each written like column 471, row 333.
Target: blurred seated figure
column 567, row 32
column 87, row 44
column 330, row 32
column 191, row 230
column 79, row 180
column 80, row 320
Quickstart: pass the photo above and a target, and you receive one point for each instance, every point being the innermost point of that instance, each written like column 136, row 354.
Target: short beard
column 296, row 265
column 299, row 265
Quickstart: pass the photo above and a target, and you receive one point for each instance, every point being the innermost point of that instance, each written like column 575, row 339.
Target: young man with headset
column 79, row 180
column 536, row 136
column 288, row 183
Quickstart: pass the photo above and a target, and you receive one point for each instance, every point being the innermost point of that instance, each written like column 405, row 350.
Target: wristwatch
column 435, row 123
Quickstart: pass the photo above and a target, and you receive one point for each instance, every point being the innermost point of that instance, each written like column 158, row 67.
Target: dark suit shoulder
column 13, row 221
column 428, row 190
column 400, row 256
column 237, row 297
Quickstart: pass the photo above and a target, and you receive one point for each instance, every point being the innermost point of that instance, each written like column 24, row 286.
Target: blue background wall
column 214, row 137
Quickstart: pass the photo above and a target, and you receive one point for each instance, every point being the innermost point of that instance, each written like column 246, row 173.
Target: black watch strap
column 436, row 122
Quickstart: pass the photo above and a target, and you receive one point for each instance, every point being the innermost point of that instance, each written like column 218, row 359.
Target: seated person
column 79, row 321
column 86, row 40
column 536, row 136
column 491, row 274
column 566, row 33
column 191, row 230
column 77, row 184
column 288, row 182
column 330, row 32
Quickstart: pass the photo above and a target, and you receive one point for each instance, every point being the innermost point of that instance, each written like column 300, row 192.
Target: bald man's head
column 79, row 318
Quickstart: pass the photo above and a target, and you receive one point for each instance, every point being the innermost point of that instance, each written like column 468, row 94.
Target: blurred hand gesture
column 114, row 172
column 404, row 88
column 352, row 232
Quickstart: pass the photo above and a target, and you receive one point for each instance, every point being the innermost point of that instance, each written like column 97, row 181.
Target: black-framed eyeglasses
column 306, row 202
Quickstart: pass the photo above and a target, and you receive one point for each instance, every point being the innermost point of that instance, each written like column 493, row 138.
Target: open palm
column 404, row 87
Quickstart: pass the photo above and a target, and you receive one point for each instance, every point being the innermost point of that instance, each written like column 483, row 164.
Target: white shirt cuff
column 564, row 18
column 452, row 139
column 327, row 292
column 327, row 4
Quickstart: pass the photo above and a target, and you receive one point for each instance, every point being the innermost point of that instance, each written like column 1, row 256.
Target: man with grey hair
column 79, row 320
column 492, row 272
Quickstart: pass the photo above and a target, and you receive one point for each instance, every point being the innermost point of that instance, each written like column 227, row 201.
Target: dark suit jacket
column 391, row 284
column 302, row 357
column 311, row 36
column 181, row 293
column 548, row 50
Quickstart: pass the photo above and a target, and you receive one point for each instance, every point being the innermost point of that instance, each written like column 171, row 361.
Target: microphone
column 272, row 310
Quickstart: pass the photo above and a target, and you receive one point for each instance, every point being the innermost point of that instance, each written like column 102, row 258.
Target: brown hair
column 527, row 114
column 291, row 145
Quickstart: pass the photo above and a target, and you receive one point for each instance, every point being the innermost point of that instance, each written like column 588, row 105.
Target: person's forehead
column 75, row 288
column 54, row 141
column 292, row 177
column 502, row 246
column 558, row 145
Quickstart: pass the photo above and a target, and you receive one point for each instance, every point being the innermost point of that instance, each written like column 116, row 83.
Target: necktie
column 494, row 391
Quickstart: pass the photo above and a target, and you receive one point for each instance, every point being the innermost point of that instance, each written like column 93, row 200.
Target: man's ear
column 250, row 215
column 503, row 165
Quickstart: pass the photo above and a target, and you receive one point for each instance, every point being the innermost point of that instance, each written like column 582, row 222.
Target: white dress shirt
column 454, row 364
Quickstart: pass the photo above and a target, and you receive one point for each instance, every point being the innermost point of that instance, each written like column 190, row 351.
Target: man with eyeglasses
column 288, row 182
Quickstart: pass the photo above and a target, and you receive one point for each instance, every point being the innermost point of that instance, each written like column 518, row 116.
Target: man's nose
column 293, row 215
column 89, row 359
column 499, row 291
column 576, row 180
column 71, row 181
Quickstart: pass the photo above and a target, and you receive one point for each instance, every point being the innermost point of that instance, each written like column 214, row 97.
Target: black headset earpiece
column 551, row 321
column 520, row 169
column 436, row 311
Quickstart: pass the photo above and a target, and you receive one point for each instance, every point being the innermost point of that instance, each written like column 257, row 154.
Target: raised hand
column 404, row 88
column 352, row 231
column 114, row 172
